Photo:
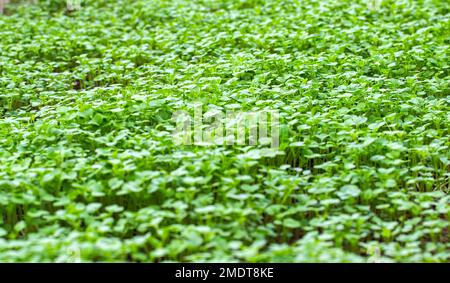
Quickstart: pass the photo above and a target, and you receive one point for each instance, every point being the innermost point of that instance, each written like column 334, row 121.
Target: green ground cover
column 89, row 169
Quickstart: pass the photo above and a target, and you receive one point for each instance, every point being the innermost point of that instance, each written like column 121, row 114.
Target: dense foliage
column 88, row 165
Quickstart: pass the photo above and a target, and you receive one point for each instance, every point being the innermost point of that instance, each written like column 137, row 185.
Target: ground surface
column 89, row 170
